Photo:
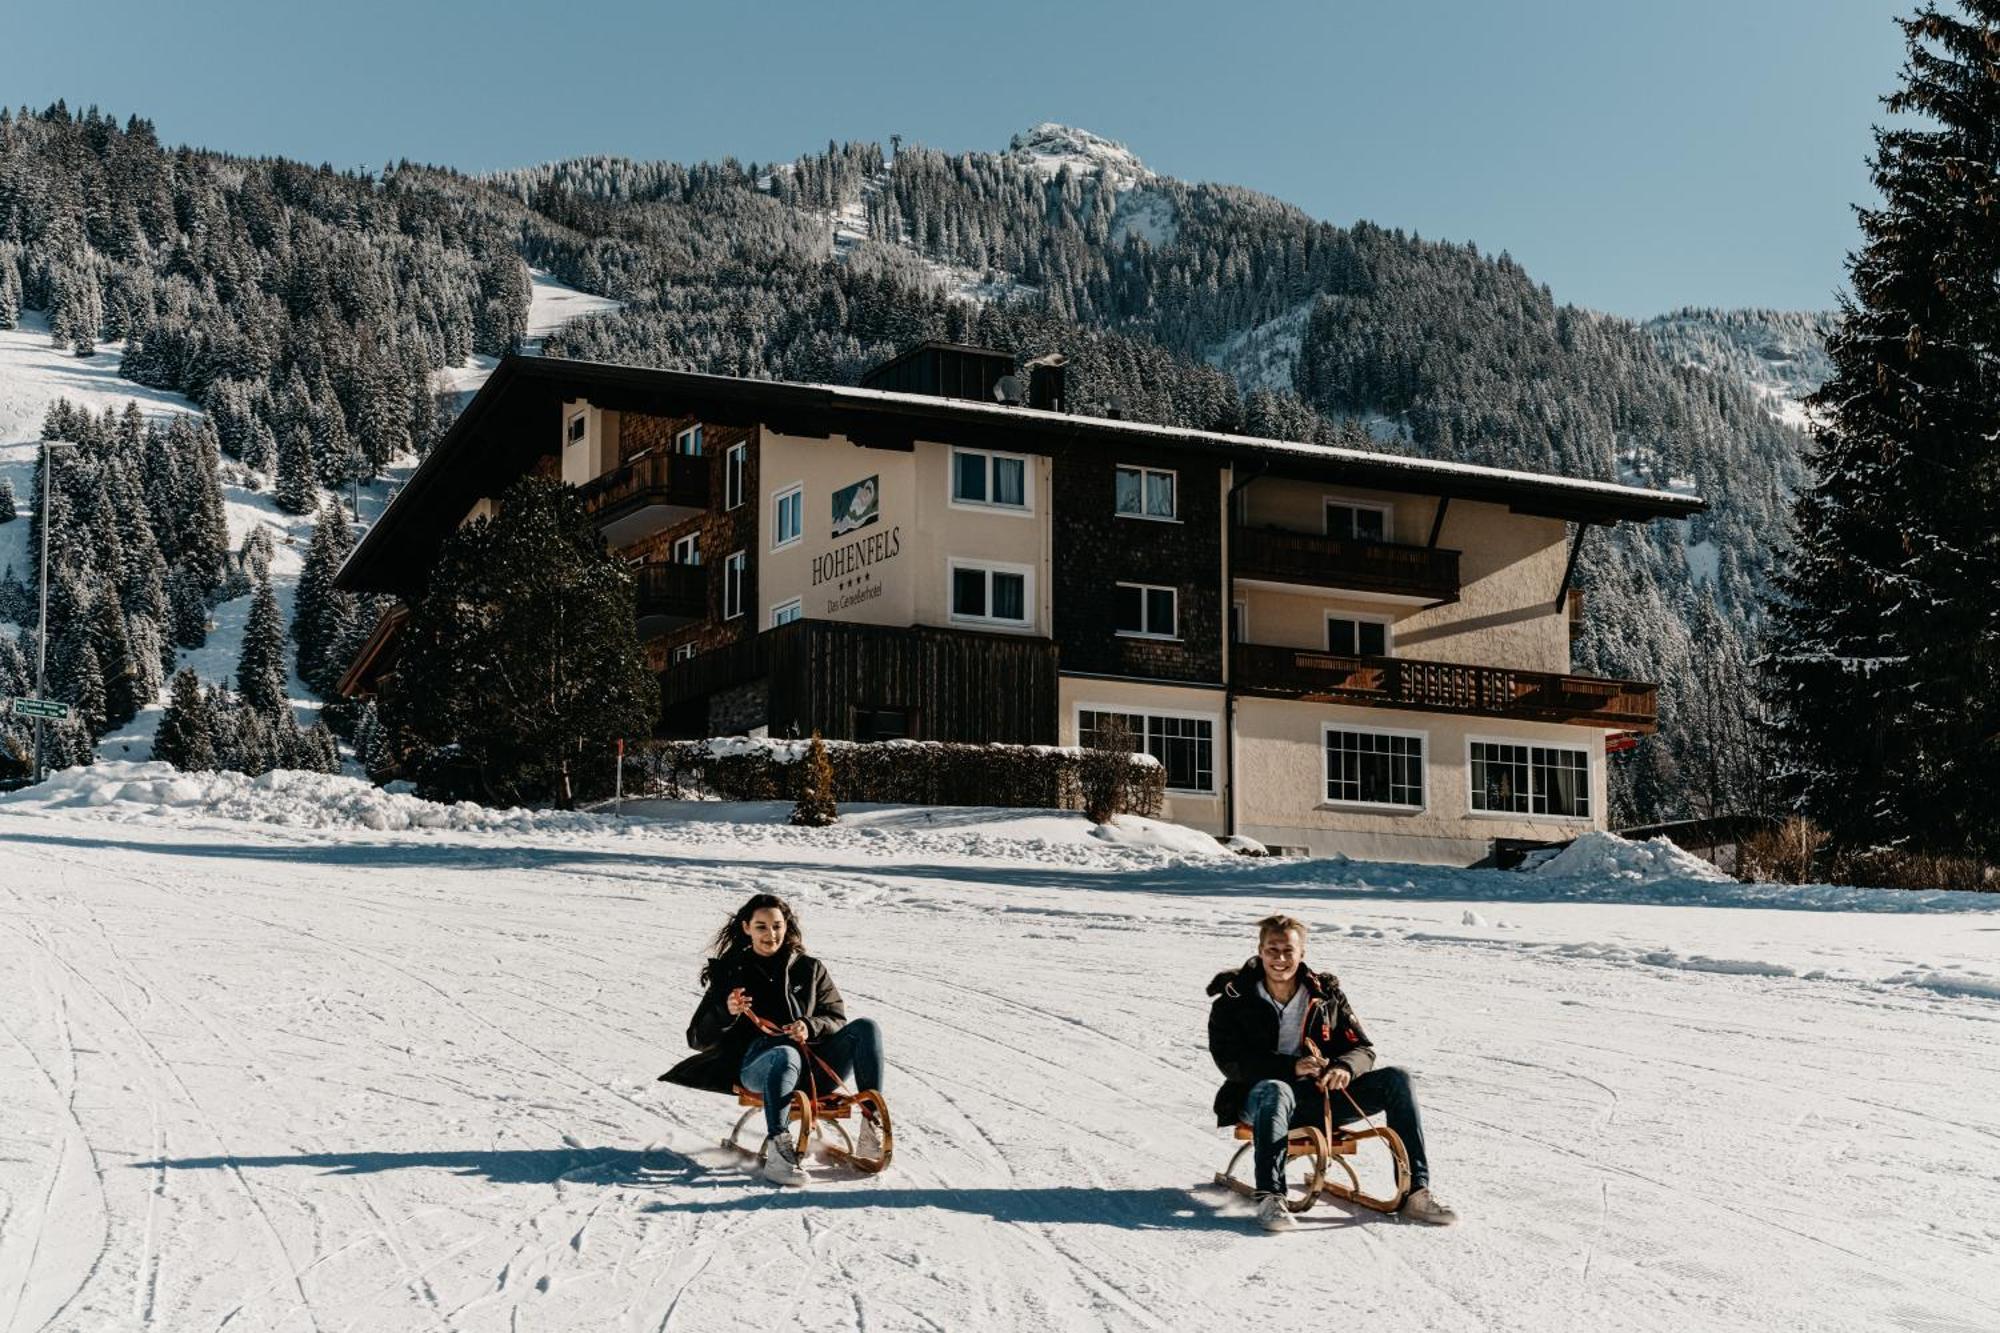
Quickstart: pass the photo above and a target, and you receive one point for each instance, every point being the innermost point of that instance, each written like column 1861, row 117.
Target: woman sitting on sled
column 771, row 1023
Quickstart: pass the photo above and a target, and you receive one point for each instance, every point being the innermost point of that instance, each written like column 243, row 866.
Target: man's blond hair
column 1278, row 924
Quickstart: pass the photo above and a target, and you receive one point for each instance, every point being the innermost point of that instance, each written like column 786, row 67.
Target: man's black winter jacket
column 1243, row 1034
column 793, row 986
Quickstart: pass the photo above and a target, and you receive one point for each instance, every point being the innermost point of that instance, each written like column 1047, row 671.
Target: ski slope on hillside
column 332, row 1078
column 34, row 375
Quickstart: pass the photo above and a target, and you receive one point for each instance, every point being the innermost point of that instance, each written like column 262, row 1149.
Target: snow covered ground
column 315, row 1075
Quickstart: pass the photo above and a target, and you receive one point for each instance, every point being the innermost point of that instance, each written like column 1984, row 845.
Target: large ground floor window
column 1530, row 779
column 1375, row 768
column 1185, row 746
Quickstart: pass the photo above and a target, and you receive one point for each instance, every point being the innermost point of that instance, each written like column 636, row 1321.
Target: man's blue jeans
column 772, row 1067
column 1274, row 1107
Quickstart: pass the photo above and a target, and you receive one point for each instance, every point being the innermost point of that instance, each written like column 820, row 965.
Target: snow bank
column 158, row 793
column 782, row 751
column 283, row 796
column 1139, row 831
column 1606, row 856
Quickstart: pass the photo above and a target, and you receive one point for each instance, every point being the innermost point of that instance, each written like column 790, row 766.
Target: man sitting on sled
column 1286, row 1040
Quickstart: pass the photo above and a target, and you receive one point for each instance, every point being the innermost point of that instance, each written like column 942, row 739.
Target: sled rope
column 1359, row 1114
column 770, row 1029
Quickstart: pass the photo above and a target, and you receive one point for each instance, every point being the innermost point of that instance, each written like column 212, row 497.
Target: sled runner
column 1323, row 1147
column 812, row 1112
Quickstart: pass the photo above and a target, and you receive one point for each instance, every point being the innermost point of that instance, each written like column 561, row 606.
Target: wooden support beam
column 1437, row 524
column 1569, row 570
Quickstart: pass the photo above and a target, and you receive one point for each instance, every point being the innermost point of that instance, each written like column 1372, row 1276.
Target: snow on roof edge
column 1327, row 452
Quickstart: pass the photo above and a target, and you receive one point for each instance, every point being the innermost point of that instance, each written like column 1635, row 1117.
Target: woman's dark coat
column 798, row 988
column 1243, row 1035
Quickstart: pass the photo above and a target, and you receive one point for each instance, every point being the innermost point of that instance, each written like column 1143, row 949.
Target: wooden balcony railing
column 677, row 480
column 676, row 592
column 719, row 668
column 1337, row 562
column 1444, row 687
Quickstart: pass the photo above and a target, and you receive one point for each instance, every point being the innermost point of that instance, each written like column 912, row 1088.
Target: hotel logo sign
column 849, row 572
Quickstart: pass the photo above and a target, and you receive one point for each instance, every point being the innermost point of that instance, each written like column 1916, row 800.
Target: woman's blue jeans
column 773, row 1067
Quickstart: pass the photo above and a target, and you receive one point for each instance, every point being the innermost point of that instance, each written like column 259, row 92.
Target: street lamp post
column 42, row 638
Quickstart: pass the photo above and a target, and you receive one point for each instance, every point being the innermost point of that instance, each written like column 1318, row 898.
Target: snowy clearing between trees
column 321, row 1076
column 35, row 375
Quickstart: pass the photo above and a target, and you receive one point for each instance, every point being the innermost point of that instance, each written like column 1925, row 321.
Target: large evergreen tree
column 294, row 487
column 260, row 668
column 521, row 666
column 186, row 738
column 323, row 615
column 1885, row 651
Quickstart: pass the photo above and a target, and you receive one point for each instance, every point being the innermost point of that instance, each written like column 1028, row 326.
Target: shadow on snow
column 1329, row 880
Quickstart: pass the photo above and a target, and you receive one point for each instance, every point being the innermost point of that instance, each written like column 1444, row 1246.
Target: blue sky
column 1634, row 156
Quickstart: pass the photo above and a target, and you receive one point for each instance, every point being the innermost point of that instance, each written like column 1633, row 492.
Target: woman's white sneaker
column 1272, row 1215
column 781, row 1161
column 1422, row 1207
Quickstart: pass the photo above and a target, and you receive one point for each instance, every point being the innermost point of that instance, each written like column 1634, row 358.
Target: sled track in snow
column 427, row 1084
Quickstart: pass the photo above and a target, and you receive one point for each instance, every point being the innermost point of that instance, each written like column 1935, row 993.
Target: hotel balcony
column 1443, row 687
column 647, row 494
column 669, row 596
column 1291, row 560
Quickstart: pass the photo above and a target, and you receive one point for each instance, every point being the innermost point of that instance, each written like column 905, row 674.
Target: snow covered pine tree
column 1885, row 661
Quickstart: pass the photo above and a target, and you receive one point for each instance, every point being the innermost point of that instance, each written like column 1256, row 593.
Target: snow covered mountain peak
column 1050, row 147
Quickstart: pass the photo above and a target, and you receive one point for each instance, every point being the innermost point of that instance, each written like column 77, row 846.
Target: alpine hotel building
column 1329, row 649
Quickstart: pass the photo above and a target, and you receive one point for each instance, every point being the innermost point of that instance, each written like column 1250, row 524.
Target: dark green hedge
column 912, row 773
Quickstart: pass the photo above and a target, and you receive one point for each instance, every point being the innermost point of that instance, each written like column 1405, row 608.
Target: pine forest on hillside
column 307, row 309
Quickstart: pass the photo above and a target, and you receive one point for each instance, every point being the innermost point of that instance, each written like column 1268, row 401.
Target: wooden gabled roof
column 515, row 417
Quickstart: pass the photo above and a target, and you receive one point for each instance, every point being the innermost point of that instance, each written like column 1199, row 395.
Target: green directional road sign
column 48, row 708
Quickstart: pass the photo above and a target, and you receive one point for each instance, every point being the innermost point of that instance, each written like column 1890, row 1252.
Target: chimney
column 1046, row 383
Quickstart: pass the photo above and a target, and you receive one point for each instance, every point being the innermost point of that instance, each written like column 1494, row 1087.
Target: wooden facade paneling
column 954, row 685
column 1096, row 549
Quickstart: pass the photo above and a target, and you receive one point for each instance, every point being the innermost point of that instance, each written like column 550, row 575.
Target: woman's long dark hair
column 730, row 940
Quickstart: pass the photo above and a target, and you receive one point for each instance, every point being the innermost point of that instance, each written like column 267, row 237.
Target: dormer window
column 579, row 426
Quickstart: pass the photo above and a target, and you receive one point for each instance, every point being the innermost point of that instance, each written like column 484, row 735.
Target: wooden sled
column 1322, row 1147
column 811, row 1118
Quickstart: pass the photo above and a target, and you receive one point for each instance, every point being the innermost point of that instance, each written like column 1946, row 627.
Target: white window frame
column 796, row 606
column 684, row 652
column 571, row 435
column 1388, row 624
column 735, row 575
column 1149, row 632
column 735, row 471
column 778, row 497
column 1382, row 507
column 990, row 567
column 1240, row 618
column 695, row 433
column 1215, row 737
column 1589, row 782
column 1025, row 509
column 1144, row 472
column 691, row 542
column 1325, row 802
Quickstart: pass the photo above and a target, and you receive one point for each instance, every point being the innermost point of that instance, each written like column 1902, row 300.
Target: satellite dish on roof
column 1007, row 389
